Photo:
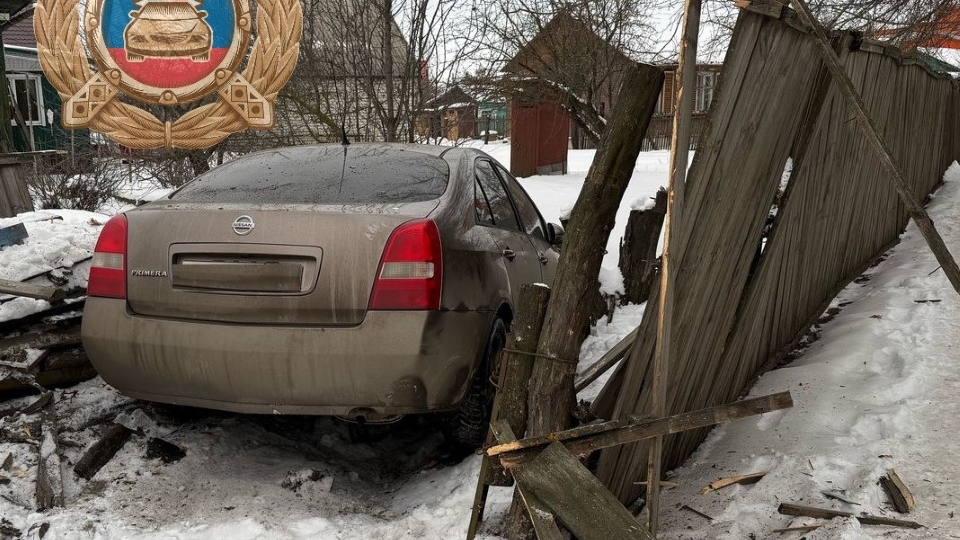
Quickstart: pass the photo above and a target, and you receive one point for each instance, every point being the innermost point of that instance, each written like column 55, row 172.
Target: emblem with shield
column 168, row 52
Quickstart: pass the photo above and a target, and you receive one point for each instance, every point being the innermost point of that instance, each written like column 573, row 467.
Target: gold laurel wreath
column 272, row 60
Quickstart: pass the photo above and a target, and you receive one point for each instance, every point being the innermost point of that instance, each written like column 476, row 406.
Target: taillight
column 411, row 270
column 108, row 272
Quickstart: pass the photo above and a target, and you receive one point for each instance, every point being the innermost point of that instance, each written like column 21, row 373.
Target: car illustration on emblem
column 161, row 29
column 243, row 225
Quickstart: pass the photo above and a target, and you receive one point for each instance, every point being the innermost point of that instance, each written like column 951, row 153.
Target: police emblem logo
column 168, row 52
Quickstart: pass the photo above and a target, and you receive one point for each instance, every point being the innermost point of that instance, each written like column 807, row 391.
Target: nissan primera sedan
column 366, row 281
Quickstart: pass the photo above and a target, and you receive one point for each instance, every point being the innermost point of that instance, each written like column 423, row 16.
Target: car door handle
column 509, row 254
column 543, row 258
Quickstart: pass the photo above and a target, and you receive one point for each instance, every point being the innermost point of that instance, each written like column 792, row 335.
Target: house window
column 27, row 98
column 705, row 81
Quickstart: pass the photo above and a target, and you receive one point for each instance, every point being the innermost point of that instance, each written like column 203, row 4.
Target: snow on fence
column 776, row 116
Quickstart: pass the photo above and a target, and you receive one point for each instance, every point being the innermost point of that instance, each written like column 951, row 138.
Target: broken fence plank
column 582, row 440
column 742, row 479
column 605, row 362
column 827, row 513
column 900, row 496
column 29, row 290
column 102, row 451
column 501, row 432
column 14, row 234
column 594, row 513
column 49, row 492
column 544, row 523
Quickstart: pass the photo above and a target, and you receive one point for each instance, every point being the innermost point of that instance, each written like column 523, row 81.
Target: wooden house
column 452, row 115
column 568, row 66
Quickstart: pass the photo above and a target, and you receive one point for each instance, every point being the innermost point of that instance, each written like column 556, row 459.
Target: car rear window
column 322, row 175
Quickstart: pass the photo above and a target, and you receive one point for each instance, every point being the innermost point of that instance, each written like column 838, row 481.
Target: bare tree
column 573, row 52
column 364, row 69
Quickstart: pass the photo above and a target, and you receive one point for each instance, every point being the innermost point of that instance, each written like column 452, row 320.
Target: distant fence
column 737, row 309
column 660, row 131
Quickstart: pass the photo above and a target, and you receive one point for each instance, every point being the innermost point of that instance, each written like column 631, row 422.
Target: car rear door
column 496, row 211
column 533, row 225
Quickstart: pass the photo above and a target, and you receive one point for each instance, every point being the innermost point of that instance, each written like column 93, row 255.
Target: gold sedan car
column 364, row 281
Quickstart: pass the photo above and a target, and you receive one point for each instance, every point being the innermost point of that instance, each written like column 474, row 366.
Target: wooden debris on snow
column 102, row 451
column 29, row 290
column 900, row 496
column 838, row 496
column 742, row 479
column 49, row 492
column 827, row 513
column 804, row 529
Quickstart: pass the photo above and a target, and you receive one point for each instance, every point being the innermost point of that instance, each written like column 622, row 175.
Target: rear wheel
column 468, row 427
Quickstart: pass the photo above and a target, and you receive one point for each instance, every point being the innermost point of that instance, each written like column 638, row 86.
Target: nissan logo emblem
column 243, row 225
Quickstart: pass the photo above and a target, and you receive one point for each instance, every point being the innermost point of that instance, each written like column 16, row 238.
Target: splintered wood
column 547, row 469
column 732, row 480
column 900, row 496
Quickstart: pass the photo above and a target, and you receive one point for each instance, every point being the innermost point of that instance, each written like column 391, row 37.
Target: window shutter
column 666, row 106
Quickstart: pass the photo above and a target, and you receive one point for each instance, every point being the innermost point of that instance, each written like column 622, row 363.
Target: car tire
column 469, row 424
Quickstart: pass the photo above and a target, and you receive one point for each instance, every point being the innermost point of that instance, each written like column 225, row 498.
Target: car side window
column 529, row 216
column 482, row 206
column 499, row 203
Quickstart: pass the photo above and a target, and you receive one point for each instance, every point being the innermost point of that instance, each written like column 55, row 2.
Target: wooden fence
column 737, row 308
column 14, row 195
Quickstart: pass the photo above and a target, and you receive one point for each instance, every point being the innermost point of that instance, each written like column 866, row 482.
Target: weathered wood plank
column 594, row 514
column 544, row 523
column 29, row 290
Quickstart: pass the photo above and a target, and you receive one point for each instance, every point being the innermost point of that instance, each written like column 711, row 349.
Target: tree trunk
column 390, row 125
column 551, row 396
column 511, row 403
column 638, row 250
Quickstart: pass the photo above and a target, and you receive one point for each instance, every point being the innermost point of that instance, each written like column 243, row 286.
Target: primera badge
column 167, row 53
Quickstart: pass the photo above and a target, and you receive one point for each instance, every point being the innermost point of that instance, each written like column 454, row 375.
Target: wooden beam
column 827, row 513
column 614, row 433
column 594, row 513
column 29, row 290
column 876, row 142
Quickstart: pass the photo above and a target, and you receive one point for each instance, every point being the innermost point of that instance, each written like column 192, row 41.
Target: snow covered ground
column 876, row 391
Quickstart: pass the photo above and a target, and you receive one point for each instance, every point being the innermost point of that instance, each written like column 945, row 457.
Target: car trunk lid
column 259, row 265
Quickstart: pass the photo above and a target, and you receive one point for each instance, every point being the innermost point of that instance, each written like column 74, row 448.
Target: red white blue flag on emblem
column 168, row 43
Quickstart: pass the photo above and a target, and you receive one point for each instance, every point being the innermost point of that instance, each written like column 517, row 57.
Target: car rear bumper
column 392, row 363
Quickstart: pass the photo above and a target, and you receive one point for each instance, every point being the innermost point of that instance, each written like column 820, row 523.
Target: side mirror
column 554, row 234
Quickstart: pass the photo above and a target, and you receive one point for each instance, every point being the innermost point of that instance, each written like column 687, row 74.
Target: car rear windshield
column 322, row 175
